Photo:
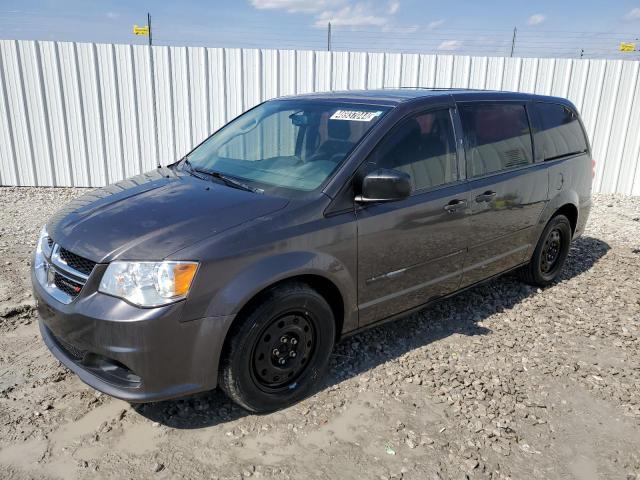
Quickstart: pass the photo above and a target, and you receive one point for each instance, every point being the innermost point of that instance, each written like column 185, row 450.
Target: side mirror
column 385, row 185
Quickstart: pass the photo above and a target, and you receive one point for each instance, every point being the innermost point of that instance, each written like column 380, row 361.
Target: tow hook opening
column 111, row 369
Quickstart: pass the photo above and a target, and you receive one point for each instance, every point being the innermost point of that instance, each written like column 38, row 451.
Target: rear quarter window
column 559, row 132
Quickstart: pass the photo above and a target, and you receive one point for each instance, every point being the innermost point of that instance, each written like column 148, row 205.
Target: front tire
column 550, row 254
column 278, row 350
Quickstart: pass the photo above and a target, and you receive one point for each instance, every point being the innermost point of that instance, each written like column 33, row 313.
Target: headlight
column 39, row 261
column 148, row 284
column 43, row 242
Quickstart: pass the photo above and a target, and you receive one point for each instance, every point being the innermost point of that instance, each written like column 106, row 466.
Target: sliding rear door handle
column 455, row 205
column 486, row 196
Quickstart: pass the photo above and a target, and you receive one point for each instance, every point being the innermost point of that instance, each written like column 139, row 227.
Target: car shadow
column 364, row 351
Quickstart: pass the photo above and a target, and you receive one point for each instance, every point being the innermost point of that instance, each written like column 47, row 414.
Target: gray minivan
column 302, row 220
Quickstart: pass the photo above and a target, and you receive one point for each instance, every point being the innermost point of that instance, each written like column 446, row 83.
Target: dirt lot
column 503, row 381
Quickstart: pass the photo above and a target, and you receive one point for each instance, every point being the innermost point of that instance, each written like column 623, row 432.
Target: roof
column 385, row 96
column 395, row 96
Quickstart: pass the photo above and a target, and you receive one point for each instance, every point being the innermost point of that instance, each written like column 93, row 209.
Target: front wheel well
column 322, row 285
column 570, row 211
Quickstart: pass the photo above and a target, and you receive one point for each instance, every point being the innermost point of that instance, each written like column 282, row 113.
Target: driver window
column 424, row 147
column 332, row 140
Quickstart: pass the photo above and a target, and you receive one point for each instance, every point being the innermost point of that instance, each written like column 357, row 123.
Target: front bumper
column 135, row 354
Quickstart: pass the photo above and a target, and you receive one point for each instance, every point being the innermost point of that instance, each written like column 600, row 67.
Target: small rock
column 471, row 464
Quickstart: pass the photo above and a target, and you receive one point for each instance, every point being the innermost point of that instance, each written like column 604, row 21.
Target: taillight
column 593, row 168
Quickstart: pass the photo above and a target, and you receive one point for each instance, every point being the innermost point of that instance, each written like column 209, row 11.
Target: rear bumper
column 135, row 354
column 583, row 217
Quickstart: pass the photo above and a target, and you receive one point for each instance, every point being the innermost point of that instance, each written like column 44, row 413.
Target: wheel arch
column 321, row 284
column 320, row 271
column 565, row 202
column 570, row 211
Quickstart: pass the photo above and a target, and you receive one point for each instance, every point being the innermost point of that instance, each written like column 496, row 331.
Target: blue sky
column 545, row 27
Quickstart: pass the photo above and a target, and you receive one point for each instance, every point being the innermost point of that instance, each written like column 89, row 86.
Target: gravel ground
column 502, row 381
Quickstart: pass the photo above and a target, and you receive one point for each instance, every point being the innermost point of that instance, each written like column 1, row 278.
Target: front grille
column 67, row 285
column 77, row 262
column 63, row 273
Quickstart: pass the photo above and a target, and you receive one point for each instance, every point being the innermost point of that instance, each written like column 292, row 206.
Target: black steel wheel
column 278, row 349
column 284, row 348
column 550, row 253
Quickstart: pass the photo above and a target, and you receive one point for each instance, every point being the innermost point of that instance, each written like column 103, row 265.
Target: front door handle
column 486, row 196
column 455, row 205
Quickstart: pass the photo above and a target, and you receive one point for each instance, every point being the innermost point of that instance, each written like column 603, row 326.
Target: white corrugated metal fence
column 82, row 114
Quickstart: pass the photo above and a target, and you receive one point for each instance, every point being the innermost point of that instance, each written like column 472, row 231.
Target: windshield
column 286, row 143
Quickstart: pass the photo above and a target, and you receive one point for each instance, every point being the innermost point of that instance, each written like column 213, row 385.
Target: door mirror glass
column 385, row 185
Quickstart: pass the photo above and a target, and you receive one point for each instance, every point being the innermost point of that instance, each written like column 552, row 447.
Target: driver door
column 413, row 250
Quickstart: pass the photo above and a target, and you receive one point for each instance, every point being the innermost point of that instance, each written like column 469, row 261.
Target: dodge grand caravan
column 302, row 220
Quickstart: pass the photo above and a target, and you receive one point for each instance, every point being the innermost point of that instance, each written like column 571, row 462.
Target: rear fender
column 562, row 198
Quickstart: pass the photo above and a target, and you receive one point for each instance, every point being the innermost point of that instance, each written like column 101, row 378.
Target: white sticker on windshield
column 354, row 115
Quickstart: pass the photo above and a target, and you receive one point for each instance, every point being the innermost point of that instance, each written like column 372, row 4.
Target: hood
column 150, row 216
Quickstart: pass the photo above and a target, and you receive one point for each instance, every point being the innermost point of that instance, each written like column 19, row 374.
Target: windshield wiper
column 229, row 181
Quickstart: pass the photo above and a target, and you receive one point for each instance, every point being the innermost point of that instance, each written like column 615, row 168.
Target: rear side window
column 423, row 146
column 560, row 132
column 498, row 137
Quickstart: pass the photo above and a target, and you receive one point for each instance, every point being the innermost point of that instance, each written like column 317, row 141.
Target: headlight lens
column 149, row 284
column 39, row 259
column 43, row 245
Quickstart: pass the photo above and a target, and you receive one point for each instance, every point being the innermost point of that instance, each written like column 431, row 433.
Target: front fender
column 271, row 270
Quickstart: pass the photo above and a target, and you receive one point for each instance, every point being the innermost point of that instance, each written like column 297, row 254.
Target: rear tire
column 550, row 254
column 279, row 349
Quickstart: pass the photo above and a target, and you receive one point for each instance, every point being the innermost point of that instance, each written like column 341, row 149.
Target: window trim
column 526, row 104
column 503, row 172
column 532, row 129
column 452, row 110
